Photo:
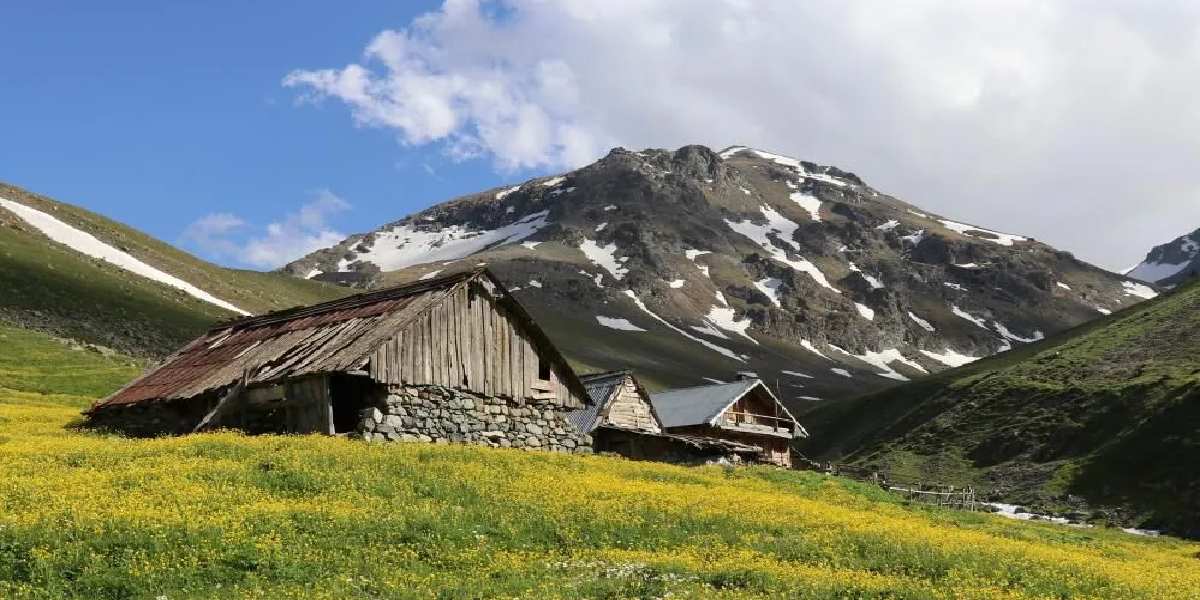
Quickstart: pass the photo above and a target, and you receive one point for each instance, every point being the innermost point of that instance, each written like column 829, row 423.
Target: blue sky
column 251, row 131
column 159, row 113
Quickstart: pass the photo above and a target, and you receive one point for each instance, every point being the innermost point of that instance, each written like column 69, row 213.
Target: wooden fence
column 961, row 498
column 936, row 494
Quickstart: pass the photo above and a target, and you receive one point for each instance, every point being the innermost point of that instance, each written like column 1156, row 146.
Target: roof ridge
column 709, row 385
column 364, row 298
column 605, row 374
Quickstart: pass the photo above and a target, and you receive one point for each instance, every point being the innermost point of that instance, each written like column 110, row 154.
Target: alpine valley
column 693, row 265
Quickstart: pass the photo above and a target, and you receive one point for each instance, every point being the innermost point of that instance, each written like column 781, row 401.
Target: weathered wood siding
column 469, row 341
column 629, row 408
column 307, row 407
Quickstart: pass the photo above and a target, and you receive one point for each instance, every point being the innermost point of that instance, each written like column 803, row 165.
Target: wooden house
column 622, row 420
column 744, row 411
column 454, row 358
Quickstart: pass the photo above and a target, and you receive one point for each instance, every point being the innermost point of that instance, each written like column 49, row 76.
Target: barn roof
column 335, row 336
column 702, row 405
column 601, row 389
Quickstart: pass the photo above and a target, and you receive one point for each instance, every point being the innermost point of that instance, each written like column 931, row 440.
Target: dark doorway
column 350, row 395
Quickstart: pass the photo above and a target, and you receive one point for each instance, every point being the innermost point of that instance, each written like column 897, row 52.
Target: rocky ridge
column 692, row 265
column 1172, row 263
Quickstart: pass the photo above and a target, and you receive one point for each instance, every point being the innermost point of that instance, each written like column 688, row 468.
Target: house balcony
column 751, row 423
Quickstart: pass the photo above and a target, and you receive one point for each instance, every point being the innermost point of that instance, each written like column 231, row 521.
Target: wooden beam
column 224, row 403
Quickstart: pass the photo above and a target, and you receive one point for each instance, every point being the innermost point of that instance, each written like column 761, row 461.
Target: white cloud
column 1022, row 116
column 227, row 237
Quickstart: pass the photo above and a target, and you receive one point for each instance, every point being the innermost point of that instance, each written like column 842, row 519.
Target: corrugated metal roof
column 698, row 405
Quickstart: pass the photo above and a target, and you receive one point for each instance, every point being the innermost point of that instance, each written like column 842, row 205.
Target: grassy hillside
column 227, row 516
column 1108, row 412
column 48, row 287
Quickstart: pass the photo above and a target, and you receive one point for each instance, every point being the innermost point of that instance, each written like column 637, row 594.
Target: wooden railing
column 742, row 419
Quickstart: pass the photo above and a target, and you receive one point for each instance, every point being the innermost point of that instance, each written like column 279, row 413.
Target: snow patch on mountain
column 617, row 323
column 770, row 287
column 784, row 230
column 405, row 245
column 914, row 238
column 502, row 193
column 871, row 280
column 865, row 311
column 89, row 245
column 797, row 374
column 1004, row 239
column 958, row 312
column 1139, row 290
column 1008, row 335
column 926, row 325
column 604, row 257
column 808, row 202
column 707, row 344
column 725, row 318
column 1183, row 252
column 807, row 345
column 795, row 164
column 882, row 360
column 950, row 357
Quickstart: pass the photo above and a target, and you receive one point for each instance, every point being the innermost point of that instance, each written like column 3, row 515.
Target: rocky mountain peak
column 692, row 264
column 1172, row 263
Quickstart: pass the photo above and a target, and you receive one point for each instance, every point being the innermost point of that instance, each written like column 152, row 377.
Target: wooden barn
column 744, row 411
column 449, row 359
column 622, row 420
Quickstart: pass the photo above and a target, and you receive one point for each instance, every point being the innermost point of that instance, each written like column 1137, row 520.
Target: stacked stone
column 444, row 415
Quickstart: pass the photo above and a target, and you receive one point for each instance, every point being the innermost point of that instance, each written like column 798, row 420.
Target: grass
column 49, row 287
column 228, row 516
column 34, row 362
column 1108, row 411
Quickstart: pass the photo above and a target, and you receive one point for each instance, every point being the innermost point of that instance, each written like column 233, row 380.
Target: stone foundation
column 444, row 415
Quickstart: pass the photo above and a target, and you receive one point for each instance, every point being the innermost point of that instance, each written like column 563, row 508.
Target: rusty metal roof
column 329, row 337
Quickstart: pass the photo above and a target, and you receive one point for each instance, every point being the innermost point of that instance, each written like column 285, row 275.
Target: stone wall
column 444, row 415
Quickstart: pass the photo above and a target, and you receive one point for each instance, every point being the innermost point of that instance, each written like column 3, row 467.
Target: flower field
column 227, row 516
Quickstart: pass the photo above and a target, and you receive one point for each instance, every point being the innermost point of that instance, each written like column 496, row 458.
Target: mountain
column 74, row 274
column 690, row 265
column 1103, row 415
column 1172, row 263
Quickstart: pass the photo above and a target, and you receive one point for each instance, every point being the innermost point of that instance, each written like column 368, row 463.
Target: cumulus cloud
column 1073, row 122
column 225, row 236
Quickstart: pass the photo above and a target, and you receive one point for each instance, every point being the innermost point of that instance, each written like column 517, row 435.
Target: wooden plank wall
column 469, row 342
column 308, row 408
column 630, row 409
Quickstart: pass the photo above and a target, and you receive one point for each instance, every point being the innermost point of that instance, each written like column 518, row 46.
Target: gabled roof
column 336, row 336
column 703, row 405
column 602, row 389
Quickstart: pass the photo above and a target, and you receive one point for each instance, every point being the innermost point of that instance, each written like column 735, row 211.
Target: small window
column 543, row 369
